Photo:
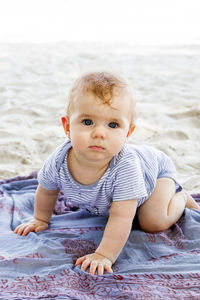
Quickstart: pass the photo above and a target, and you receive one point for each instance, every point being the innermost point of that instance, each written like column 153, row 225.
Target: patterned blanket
column 164, row 265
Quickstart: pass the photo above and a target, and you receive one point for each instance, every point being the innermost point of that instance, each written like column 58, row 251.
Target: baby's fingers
column 80, row 260
column 100, row 269
column 27, row 229
column 16, row 229
column 20, row 229
column 93, row 267
column 108, row 269
column 86, row 263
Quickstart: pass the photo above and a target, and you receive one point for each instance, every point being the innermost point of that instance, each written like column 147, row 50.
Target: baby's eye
column 113, row 125
column 87, row 122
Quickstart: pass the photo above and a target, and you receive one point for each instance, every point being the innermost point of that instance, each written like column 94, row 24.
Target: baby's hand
column 32, row 225
column 95, row 262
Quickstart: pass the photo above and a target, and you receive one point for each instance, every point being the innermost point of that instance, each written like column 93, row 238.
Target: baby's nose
column 98, row 132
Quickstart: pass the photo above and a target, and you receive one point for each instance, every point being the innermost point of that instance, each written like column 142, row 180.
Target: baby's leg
column 164, row 207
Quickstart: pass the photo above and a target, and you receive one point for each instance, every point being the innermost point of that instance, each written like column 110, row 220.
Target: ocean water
column 138, row 22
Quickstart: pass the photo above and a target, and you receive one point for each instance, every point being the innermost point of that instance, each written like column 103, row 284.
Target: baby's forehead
column 119, row 95
column 119, row 105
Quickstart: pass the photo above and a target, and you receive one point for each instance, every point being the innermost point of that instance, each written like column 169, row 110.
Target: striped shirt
column 131, row 174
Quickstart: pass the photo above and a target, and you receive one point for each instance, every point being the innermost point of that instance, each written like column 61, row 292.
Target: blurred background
column 144, row 22
column 46, row 44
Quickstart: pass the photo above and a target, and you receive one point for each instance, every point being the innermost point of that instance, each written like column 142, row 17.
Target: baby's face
column 98, row 131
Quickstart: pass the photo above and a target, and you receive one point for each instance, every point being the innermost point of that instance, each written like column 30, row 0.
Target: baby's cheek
column 117, row 144
column 79, row 144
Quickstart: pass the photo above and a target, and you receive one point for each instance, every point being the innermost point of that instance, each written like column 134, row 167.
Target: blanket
column 164, row 265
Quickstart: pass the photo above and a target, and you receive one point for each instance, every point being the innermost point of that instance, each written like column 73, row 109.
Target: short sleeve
column 47, row 176
column 129, row 181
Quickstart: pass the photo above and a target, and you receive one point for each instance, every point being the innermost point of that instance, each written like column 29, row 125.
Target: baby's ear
column 131, row 128
column 65, row 124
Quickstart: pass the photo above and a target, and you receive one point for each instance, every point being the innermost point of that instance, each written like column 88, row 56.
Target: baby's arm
column 44, row 205
column 115, row 236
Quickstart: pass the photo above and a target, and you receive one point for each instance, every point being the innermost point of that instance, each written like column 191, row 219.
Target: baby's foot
column 190, row 202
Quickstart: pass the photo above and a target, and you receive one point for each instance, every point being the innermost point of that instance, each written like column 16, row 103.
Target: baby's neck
column 84, row 173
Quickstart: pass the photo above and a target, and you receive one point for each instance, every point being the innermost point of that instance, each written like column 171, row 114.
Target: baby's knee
column 153, row 226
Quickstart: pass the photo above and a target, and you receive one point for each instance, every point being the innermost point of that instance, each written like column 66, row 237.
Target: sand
column 34, row 83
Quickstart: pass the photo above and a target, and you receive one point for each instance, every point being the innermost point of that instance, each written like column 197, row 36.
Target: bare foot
column 190, row 202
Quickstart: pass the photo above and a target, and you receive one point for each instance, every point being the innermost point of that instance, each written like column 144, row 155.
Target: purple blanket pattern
column 164, row 265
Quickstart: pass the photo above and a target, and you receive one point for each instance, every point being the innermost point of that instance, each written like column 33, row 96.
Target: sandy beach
column 34, row 83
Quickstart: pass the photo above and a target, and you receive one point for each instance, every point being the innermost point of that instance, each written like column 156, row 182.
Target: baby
column 97, row 170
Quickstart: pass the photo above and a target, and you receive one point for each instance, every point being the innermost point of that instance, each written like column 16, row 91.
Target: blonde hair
column 103, row 85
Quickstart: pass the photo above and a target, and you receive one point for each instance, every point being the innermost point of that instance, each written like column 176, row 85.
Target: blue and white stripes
column 132, row 174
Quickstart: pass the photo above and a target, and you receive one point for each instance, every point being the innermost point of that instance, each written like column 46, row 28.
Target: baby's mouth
column 96, row 148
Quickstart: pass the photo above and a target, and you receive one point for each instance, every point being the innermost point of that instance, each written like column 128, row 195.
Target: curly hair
column 103, row 85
